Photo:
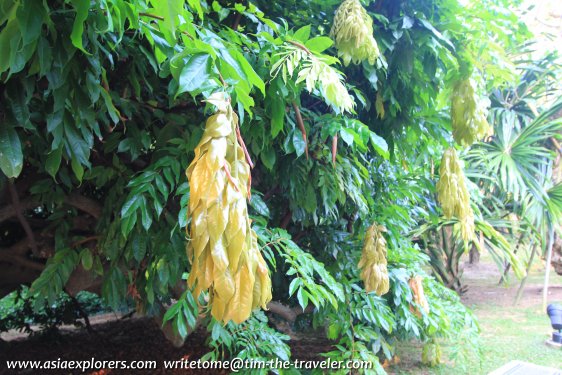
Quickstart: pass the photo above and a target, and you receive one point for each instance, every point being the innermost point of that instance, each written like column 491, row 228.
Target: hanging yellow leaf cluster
column 352, row 33
column 416, row 286
column 453, row 194
column 468, row 113
column 431, row 354
column 223, row 249
column 373, row 261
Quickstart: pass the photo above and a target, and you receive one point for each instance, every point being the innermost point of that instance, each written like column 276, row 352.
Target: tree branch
column 23, row 221
column 286, row 220
column 301, row 46
column 84, row 240
column 21, row 260
column 82, row 203
column 9, row 211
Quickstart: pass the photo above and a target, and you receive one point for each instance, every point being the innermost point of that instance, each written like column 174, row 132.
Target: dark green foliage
column 20, row 310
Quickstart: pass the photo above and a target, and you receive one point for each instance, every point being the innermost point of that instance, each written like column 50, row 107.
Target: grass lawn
column 508, row 332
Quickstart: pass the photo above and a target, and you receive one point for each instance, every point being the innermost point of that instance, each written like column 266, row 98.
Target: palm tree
column 521, row 164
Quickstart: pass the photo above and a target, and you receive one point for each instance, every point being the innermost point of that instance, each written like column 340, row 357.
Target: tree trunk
column 474, row 255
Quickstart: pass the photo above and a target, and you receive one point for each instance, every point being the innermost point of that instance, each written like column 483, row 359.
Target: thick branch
column 288, row 313
column 82, row 203
column 22, row 261
column 286, row 220
column 19, row 212
column 9, row 211
column 284, row 311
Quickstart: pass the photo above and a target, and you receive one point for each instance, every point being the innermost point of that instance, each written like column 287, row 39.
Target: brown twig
column 229, row 176
column 301, row 46
column 300, row 123
column 334, row 149
column 84, row 240
column 151, row 16
column 222, row 80
column 243, row 145
column 23, row 221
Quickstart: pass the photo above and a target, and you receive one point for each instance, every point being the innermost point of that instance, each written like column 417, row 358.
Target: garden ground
column 508, row 333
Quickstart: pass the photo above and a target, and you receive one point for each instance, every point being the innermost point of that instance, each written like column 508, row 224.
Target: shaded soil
column 141, row 339
column 131, row 339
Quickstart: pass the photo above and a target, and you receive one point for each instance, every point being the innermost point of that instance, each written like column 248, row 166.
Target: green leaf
column 296, row 283
column 195, row 74
column 380, row 145
column 87, row 259
column 30, row 18
column 145, row 215
column 277, row 115
column 77, row 168
column 52, row 164
column 302, row 297
column 130, row 206
column 196, row 5
column 259, row 205
column 170, row 10
column 303, row 33
column 298, row 142
column 436, row 33
column 82, row 7
column 319, row 44
column 347, row 135
column 11, row 156
column 268, row 157
column 139, row 247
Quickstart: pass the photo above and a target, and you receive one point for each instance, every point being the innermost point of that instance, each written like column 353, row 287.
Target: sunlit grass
column 508, row 332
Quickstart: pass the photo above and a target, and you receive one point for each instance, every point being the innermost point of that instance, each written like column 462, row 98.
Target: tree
column 102, row 109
